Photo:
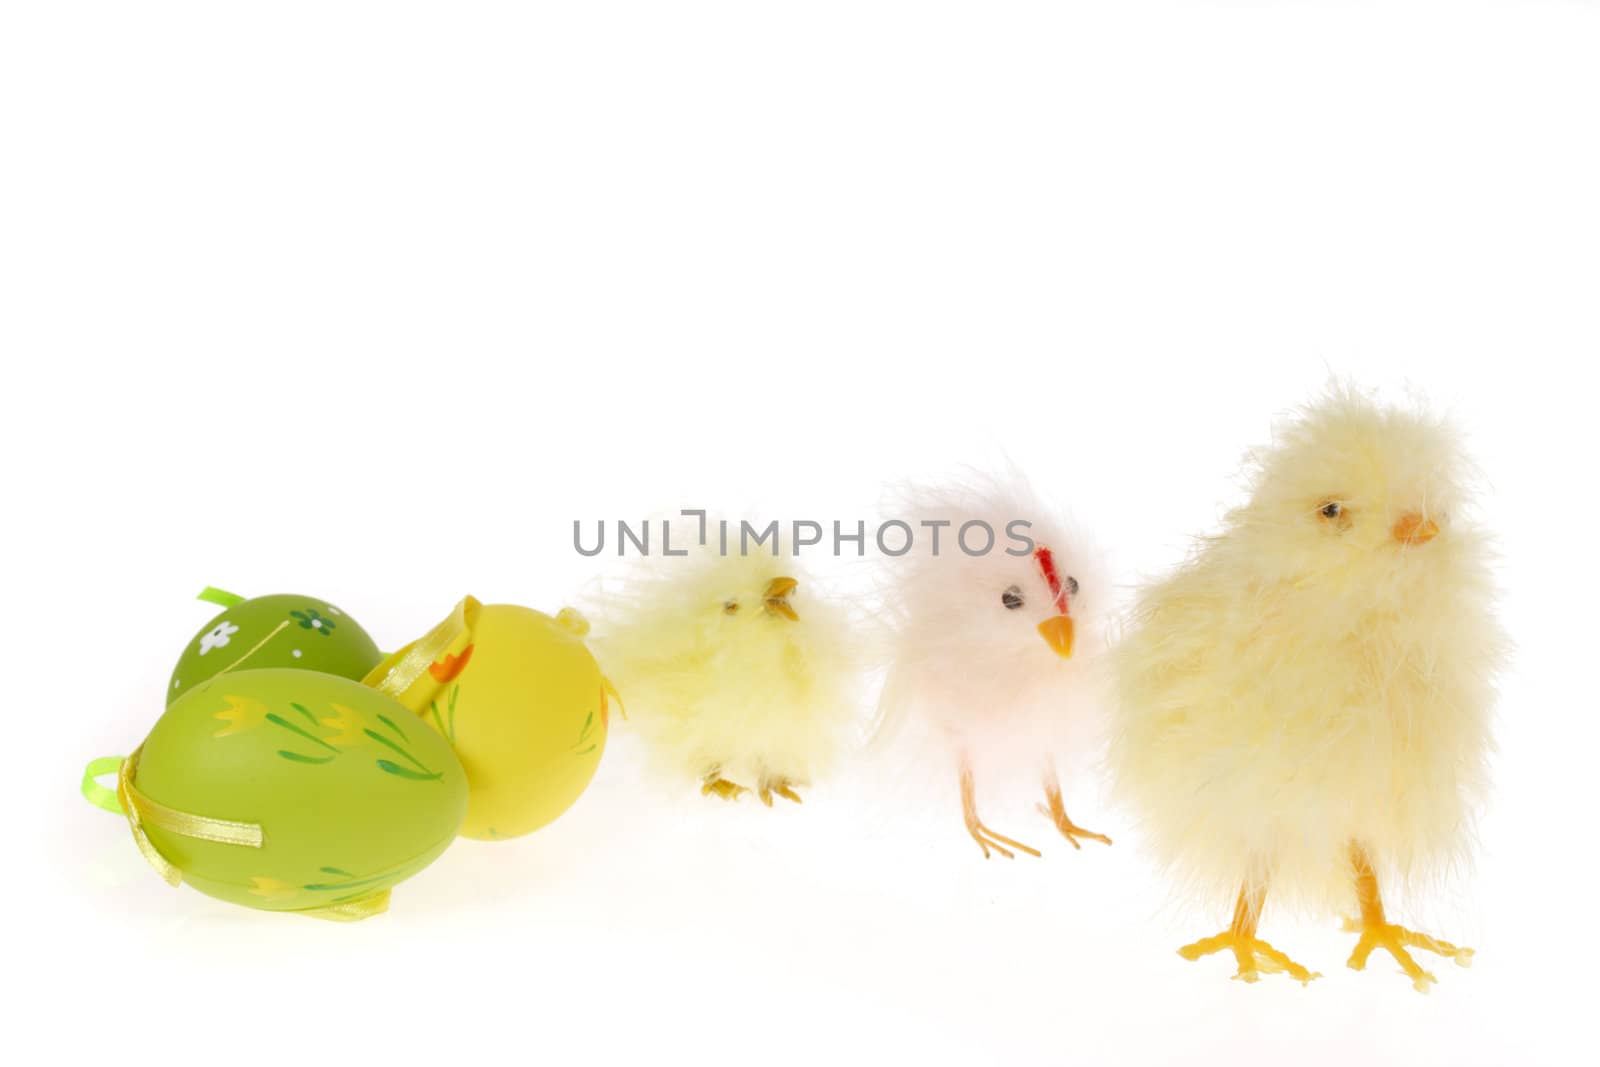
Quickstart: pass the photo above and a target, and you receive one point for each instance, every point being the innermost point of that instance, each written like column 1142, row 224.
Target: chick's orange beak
column 775, row 598
column 1413, row 529
column 1057, row 633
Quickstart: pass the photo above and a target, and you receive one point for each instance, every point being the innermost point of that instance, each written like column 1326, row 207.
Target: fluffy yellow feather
column 733, row 670
column 1304, row 705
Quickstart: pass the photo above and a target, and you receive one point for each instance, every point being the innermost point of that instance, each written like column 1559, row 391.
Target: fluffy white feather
column 968, row 661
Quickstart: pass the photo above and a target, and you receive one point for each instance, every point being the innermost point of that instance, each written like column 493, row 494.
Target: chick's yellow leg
column 1056, row 811
column 1377, row 932
column 783, row 787
column 1254, row 956
column 986, row 838
column 716, row 785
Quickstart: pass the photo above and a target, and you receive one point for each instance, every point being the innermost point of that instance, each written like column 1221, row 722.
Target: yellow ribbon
column 405, row 668
column 351, row 910
column 141, row 810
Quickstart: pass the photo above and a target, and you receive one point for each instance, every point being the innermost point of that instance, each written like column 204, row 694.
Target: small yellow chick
column 732, row 670
column 1304, row 706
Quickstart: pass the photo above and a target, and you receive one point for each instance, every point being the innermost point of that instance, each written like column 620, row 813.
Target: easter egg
column 285, row 630
column 519, row 697
column 290, row 790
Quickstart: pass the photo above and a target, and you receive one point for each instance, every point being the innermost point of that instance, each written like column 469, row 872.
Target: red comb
column 1047, row 567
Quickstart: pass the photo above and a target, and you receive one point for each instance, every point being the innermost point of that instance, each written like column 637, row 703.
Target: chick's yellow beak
column 775, row 598
column 1057, row 633
column 1413, row 529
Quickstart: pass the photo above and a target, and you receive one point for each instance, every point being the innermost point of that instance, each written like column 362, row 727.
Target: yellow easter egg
column 520, row 699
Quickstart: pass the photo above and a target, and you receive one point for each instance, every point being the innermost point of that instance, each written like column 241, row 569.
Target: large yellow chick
column 734, row 672
column 1304, row 705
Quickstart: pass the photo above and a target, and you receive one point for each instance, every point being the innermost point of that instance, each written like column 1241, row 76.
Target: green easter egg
column 275, row 631
column 351, row 793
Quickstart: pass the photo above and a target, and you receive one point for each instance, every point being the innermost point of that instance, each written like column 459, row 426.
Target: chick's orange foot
column 1378, row 932
column 782, row 787
column 718, row 786
column 986, row 838
column 1055, row 810
column 1395, row 940
column 1255, row 957
column 1071, row 831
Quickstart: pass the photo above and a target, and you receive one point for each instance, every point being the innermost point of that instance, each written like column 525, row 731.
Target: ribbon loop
column 404, row 675
column 94, row 792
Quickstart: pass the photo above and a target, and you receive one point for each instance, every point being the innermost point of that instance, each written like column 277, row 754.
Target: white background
column 371, row 301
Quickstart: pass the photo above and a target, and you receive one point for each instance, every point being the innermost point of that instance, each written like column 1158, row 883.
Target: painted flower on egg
column 311, row 619
column 217, row 636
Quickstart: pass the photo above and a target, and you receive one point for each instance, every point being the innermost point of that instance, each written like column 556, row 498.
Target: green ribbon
column 220, row 597
column 97, row 794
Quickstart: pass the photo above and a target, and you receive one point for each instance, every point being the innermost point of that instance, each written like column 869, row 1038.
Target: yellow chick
column 732, row 671
column 1304, row 706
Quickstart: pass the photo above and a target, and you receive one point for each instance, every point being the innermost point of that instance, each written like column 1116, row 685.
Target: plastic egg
column 522, row 701
column 290, row 790
column 285, row 630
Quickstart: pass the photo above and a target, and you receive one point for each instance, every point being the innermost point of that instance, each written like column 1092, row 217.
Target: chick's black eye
column 1012, row 598
column 1331, row 510
column 1072, row 586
